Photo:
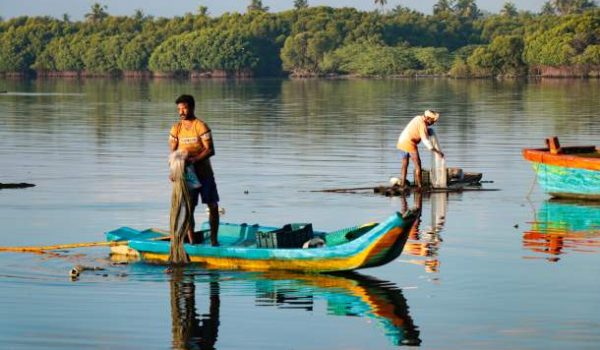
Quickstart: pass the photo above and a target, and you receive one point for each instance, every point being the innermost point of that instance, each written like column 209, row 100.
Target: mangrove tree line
column 457, row 39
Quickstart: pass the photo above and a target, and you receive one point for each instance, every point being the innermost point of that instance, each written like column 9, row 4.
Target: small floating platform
column 458, row 181
column 391, row 191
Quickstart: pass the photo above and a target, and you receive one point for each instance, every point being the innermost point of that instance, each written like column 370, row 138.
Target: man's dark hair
column 187, row 99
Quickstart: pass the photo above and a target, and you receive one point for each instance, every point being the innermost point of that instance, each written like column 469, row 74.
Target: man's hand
column 189, row 158
column 439, row 152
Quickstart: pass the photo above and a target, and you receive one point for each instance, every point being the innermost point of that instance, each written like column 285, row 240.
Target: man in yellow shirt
column 415, row 132
column 193, row 136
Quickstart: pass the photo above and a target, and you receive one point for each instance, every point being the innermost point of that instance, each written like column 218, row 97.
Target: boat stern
column 566, row 172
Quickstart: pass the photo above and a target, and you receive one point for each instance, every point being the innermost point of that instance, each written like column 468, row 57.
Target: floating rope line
column 181, row 218
column 42, row 249
column 537, row 168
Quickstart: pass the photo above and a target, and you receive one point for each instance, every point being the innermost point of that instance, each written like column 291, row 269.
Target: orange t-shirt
column 412, row 134
column 190, row 140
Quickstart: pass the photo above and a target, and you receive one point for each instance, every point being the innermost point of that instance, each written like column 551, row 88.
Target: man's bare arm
column 208, row 149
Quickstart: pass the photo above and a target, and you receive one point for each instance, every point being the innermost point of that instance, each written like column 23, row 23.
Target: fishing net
column 438, row 164
column 181, row 217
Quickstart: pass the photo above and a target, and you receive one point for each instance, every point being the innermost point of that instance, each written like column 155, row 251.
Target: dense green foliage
column 564, row 42
column 457, row 39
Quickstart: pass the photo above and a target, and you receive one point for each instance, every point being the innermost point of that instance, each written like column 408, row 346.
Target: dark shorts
column 208, row 192
column 404, row 154
column 411, row 155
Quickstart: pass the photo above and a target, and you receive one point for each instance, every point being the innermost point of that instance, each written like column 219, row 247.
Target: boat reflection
column 425, row 243
column 348, row 294
column 562, row 227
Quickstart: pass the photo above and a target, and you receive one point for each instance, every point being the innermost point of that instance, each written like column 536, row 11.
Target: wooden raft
column 458, row 181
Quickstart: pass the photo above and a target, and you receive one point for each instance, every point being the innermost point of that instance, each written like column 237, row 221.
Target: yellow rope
column 537, row 167
column 43, row 249
column 34, row 249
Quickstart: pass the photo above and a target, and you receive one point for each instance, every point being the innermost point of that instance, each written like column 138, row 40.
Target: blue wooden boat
column 567, row 172
column 347, row 249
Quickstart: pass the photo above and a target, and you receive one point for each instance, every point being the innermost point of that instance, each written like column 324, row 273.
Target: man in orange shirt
column 193, row 136
column 415, row 132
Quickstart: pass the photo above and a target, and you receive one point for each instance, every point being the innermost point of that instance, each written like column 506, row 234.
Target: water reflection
column 562, row 227
column 425, row 243
column 348, row 294
column 190, row 330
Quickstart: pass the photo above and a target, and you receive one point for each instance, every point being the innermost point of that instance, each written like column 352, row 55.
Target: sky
column 76, row 9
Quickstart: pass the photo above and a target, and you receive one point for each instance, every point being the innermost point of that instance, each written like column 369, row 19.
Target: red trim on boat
column 589, row 161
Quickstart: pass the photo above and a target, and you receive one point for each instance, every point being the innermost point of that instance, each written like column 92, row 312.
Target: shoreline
column 195, row 76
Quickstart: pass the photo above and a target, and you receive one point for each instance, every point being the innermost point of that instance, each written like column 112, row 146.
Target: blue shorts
column 208, row 191
column 404, row 154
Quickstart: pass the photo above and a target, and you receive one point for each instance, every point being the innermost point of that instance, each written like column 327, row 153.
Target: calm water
column 488, row 270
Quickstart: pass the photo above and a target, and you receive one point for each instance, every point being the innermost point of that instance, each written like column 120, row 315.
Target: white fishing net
column 438, row 164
